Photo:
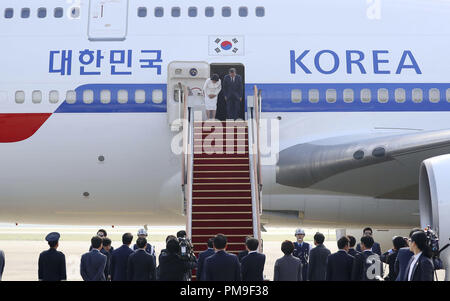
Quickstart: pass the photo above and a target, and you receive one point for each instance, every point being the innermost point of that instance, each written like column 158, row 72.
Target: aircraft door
column 184, row 76
column 108, row 20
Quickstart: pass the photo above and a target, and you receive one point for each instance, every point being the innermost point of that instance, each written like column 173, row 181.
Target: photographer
column 171, row 266
column 187, row 253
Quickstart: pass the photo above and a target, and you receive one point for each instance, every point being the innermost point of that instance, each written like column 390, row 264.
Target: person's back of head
column 287, row 247
column 220, row 242
column 211, row 243
column 367, row 241
column 170, row 237
column 127, row 238
column 414, row 230
column 343, row 242
column 399, row 242
column 173, row 246
column 96, row 242
column 352, row 241
column 106, row 242
column 319, row 238
column 181, row 234
column 141, row 242
column 53, row 244
column 252, row 244
column 420, row 240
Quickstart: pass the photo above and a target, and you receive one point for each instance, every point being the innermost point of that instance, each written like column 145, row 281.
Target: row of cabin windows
column 88, row 96
column 382, row 96
column 193, row 12
column 25, row 12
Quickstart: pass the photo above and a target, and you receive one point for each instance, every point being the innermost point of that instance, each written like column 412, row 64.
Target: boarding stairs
column 222, row 179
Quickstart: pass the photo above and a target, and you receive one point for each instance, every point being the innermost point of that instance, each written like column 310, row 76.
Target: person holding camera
column 420, row 267
column 171, row 266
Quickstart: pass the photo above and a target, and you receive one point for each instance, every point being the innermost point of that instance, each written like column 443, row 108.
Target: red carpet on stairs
column 221, row 193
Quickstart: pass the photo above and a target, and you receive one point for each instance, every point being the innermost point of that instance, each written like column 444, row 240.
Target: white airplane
column 360, row 90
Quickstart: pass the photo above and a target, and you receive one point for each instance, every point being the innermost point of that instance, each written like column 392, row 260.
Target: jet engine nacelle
column 434, row 202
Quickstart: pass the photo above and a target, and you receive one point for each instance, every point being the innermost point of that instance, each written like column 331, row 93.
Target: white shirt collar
column 252, row 252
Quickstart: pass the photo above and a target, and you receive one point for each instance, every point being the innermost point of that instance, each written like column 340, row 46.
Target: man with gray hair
column 233, row 90
column 2, row 263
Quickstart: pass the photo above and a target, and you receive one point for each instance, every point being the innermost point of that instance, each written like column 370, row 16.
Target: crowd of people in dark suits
column 410, row 259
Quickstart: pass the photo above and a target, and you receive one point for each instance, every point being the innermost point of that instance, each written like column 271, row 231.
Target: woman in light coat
column 211, row 90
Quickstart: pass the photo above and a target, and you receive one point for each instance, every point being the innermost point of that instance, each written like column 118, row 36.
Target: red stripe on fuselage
column 16, row 127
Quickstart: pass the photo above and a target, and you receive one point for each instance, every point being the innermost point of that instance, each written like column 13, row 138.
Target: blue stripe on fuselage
column 276, row 98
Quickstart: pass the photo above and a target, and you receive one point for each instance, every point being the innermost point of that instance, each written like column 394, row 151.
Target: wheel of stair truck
column 434, row 204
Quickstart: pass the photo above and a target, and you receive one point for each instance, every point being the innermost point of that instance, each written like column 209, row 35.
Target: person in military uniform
column 148, row 248
column 301, row 251
column 52, row 263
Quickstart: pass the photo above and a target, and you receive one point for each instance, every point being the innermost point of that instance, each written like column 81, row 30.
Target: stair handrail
column 253, row 143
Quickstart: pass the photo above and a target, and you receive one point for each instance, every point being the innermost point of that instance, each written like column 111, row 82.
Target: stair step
column 210, row 231
column 221, row 202
column 221, row 180
column 221, row 209
column 221, row 194
column 199, row 156
column 221, row 216
column 207, row 174
column 221, row 186
column 221, row 167
column 221, row 224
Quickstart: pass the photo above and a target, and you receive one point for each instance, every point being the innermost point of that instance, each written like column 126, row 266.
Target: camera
column 432, row 241
column 186, row 248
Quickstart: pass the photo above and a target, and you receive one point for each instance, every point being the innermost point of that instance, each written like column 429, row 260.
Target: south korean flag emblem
column 226, row 45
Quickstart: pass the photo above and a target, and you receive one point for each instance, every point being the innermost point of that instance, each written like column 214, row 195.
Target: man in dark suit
column 376, row 248
column 93, row 263
column 52, row 263
column 141, row 265
column 233, row 90
column 107, row 250
column 119, row 259
column 171, row 266
column 252, row 265
column 352, row 243
column 244, row 253
column 339, row 267
column 201, row 259
column 318, row 259
column 2, row 263
column 367, row 265
column 402, row 260
column 222, row 266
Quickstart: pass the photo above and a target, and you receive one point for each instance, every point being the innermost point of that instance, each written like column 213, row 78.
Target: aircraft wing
column 383, row 167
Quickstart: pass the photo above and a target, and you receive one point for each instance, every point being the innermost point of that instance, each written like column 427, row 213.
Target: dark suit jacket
column 201, row 261
column 92, row 267
column 171, row 267
column 252, row 267
column 317, row 268
column 339, row 267
column 288, row 268
column 360, row 267
column 390, row 260
column 242, row 254
column 232, row 90
column 376, row 248
column 401, row 262
column 52, row 266
column 108, row 262
column 352, row 252
column 119, row 262
column 222, row 266
column 423, row 269
column 2, row 263
column 141, row 266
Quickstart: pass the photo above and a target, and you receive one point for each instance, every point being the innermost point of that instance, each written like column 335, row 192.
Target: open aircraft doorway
column 222, row 69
